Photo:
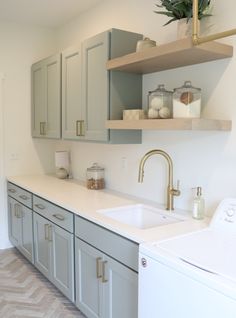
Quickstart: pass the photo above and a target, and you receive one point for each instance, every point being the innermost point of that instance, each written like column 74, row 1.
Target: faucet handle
column 176, row 191
column 178, row 183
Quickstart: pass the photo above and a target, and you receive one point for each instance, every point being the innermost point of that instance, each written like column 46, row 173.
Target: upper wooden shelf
column 171, row 124
column 169, row 56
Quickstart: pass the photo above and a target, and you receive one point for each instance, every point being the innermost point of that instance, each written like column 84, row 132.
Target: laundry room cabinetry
column 91, row 94
column 106, row 277
column 20, row 220
column 54, row 244
column 46, row 98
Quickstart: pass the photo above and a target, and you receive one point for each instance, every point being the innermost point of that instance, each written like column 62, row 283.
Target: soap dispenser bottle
column 198, row 205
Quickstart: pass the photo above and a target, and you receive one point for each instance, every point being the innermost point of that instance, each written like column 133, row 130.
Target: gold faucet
column 170, row 189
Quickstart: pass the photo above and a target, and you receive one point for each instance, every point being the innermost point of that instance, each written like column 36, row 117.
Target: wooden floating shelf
column 171, row 124
column 171, row 55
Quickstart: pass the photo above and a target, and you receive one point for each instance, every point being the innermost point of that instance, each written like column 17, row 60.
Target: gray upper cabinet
column 71, row 93
column 95, row 87
column 46, row 98
column 91, row 94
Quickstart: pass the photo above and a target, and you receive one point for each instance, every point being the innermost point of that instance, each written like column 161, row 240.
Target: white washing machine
column 192, row 275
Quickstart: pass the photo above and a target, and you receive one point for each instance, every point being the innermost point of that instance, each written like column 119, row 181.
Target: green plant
column 179, row 9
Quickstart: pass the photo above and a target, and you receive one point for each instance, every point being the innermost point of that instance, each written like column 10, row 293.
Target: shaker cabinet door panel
column 88, row 287
column 46, row 98
column 53, row 99
column 95, row 87
column 26, row 246
column 63, row 261
column 38, row 99
column 120, row 290
column 71, row 93
column 20, row 223
column 13, row 222
column 41, row 245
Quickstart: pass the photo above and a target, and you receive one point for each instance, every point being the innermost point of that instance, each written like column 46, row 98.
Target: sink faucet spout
column 171, row 192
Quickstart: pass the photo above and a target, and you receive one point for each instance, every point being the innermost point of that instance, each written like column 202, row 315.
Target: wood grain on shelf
column 171, row 124
column 171, row 55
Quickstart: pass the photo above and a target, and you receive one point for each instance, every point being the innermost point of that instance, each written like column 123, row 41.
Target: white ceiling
column 47, row 13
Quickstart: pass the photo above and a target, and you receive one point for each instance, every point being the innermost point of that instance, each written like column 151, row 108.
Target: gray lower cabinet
column 20, row 228
column 46, row 98
column 91, row 94
column 97, row 269
column 54, row 254
column 105, row 286
column 20, row 221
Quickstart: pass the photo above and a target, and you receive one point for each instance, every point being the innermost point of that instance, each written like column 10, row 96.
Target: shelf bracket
column 195, row 35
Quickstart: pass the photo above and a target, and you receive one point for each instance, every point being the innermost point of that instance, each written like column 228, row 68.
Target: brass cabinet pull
column 82, row 128
column 59, row 217
column 40, row 206
column 46, row 232
column 15, row 210
column 12, row 190
column 19, row 214
column 98, row 267
column 104, row 280
column 23, row 197
column 79, row 128
column 50, row 233
column 42, row 128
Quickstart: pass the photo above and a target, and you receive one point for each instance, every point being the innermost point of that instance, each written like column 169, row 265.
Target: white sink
column 141, row 216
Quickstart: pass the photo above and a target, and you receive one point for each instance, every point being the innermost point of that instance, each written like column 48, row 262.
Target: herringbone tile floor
column 25, row 293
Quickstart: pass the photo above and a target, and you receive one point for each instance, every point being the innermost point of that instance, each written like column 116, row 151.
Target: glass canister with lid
column 160, row 103
column 187, row 101
column 95, row 177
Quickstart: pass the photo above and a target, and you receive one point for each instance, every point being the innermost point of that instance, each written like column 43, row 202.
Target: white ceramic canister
column 145, row 44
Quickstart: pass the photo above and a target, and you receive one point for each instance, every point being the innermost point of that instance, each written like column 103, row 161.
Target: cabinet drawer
column 54, row 213
column 118, row 247
column 19, row 194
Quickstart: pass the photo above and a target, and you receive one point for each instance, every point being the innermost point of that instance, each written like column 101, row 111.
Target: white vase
column 184, row 28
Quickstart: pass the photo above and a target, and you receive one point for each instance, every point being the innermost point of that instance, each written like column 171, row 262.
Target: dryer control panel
column 225, row 215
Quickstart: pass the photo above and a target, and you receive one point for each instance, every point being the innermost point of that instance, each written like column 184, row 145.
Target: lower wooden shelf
column 171, row 124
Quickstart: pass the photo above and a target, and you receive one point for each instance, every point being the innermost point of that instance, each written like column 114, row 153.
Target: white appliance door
column 166, row 292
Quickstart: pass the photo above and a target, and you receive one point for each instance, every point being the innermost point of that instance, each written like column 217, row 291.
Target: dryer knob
column 144, row 262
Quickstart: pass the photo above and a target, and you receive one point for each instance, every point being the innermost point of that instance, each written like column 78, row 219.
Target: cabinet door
column 120, row 286
column 52, row 67
column 63, row 261
column 26, row 230
column 95, row 87
column 14, row 221
column 42, row 245
column 46, row 97
column 71, row 94
column 88, row 287
column 38, row 100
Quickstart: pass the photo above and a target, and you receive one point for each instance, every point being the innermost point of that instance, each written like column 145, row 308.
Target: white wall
column 20, row 46
column 204, row 159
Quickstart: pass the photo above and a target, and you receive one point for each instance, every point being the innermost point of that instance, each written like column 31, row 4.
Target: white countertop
column 75, row 197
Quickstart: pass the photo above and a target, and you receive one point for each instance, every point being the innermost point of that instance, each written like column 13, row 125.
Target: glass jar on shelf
column 95, row 177
column 187, row 101
column 160, row 103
